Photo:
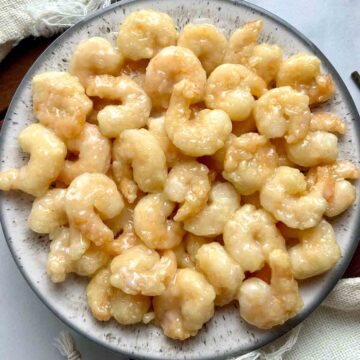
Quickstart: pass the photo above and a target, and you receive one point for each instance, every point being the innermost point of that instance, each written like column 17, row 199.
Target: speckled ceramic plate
column 226, row 335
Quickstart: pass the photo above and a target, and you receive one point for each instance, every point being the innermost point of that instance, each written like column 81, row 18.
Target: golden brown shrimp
column 47, row 156
column 95, row 56
column 90, row 199
column 203, row 135
column 169, row 67
column 267, row 305
column 60, row 103
column 94, row 154
column 134, row 109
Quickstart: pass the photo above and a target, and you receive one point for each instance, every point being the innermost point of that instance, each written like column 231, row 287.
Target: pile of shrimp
column 184, row 171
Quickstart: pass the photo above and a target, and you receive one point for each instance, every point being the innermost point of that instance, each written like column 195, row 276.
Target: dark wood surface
column 16, row 64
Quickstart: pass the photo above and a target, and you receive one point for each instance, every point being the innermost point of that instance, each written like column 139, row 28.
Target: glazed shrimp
column 207, row 42
column 152, row 224
column 48, row 212
column 126, row 240
column 94, row 154
column 47, row 156
column 339, row 193
column 242, row 43
column 249, row 161
column 169, row 67
column 134, row 109
column 144, row 33
column 266, row 60
column 106, row 302
column 70, row 252
column 319, row 146
column 60, row 103
column 286, row 197
column 95, row 56
column 90, row 199
column 140, row 270
column 302, row 72
column 250, row 236
column 325, row 121
column 222, row 272
column 140, row 151
column 233, row 88
column 188, row 183
column 316, row 252
column 222, row 204
column 156, row 126
column 267, row 305
column 186, row 305
column 283, row 112
column 203, row 135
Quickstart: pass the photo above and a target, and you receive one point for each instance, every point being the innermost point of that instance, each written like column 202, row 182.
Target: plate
column 226, row 335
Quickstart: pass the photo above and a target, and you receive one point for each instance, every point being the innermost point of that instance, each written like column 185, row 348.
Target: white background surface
column 27, row 327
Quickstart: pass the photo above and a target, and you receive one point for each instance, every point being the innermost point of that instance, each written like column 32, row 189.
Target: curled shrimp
column 60, row 103
column 134, row 109
column 94, row 154
column 325, row 121
column 126, row 240
column 233, row 88
column 188, row 183
column 206, row 42
column 319, row 146
column 152, row 224
column 242, row 43
column 267, row 305
column 144, row 33
column 140, row 270
column 250, row 236
column 283, row 112
column 47, row 156
column 70, row 252
column 48, row 212
column 249, row 161
column 286, row 197
column 302, row 72
column 222, row 204
column 90, row 199
column 222, row 272
column 265, row 60
column 203, row 135
column 167, row 68
column 138, row 161
column 106, row 302
column 315, row 252
column 95, row 56
column 186, row 305
column 156, row 126
column 339, row 193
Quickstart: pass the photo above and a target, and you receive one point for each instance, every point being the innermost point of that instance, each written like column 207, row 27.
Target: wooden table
column 16, row 64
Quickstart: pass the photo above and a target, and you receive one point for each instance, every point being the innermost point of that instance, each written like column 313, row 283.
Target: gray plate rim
column 289, row 324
